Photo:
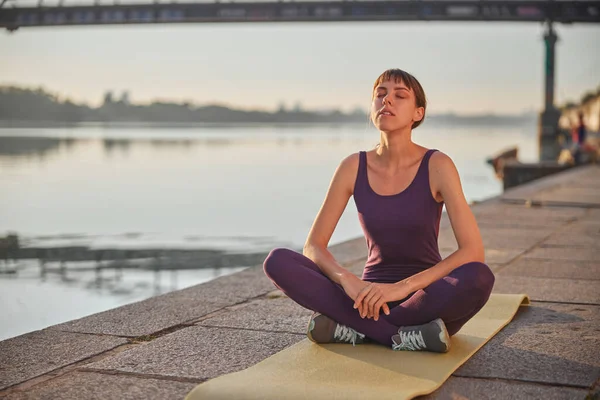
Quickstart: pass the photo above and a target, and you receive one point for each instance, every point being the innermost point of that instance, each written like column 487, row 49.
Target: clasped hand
column 373, row 298
column 369, row 297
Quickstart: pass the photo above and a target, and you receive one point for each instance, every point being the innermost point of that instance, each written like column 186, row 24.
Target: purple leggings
column 455, row 298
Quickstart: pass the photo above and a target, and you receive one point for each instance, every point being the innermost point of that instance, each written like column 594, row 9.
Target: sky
column 465, row 68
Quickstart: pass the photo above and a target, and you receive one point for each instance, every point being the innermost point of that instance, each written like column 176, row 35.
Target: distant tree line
column 37, row 105
column 19, row 104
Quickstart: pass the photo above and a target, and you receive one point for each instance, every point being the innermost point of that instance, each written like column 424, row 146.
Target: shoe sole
column 442, row 327
column 329, row 321
column 310, row 321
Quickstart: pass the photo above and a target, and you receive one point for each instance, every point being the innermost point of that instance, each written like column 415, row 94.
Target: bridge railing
column 13, row 16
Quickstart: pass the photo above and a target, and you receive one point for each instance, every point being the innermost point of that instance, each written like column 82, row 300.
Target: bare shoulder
column 443, row 175
column 441, row 163
column 441, row 159
column 347, row 171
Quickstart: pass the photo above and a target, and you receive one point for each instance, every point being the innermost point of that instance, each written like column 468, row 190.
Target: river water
column 236, row 188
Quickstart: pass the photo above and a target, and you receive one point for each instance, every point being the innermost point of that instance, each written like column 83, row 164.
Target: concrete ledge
column 92, row 386
column 545, row 343
column 33, row 354
column 576, row 187
column 516, row 173
column 167, row 344
column 198, row 352
column 493, row 389
column 548, row 289
column 176, row 308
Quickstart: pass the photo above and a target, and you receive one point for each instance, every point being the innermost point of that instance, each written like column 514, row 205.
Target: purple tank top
column 401, row 230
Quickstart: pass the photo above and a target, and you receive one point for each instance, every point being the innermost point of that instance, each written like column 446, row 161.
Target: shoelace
column 346, row 334
column 412, row 340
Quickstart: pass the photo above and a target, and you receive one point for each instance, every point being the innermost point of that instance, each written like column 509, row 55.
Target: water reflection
column 31, row 146
column 105, row 270
column 14, row 147
column 35, row 296
column 243, row 189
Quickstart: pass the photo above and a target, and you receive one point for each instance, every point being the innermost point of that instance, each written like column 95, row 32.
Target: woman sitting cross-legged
column 408, row 297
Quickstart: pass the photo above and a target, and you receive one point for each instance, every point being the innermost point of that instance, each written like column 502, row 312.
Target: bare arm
column 336, row 200
column 446, row 181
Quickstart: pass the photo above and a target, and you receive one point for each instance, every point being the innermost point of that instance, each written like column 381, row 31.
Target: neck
column 396, row 148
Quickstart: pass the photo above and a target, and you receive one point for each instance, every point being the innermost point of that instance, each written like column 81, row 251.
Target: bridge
column 14, row 16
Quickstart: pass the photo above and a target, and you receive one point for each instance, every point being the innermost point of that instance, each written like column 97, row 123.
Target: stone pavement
column 542, row 239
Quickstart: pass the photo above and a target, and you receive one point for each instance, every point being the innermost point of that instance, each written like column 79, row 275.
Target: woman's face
column 399, row 101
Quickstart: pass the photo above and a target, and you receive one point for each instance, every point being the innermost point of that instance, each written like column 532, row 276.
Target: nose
column 386, row 99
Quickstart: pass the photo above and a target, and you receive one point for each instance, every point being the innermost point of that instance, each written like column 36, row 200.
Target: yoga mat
column 308, row 370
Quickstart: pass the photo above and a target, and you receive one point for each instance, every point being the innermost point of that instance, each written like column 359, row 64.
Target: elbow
column 473, row 254
column 477, row 254
column 311, row 251
column 308, row 250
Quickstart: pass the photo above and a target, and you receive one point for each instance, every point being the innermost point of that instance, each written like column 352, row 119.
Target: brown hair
column 398, row 76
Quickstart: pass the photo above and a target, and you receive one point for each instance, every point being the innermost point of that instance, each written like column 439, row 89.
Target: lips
column 391, row 114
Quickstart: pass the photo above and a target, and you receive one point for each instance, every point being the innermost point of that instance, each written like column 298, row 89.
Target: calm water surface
column 237, row 188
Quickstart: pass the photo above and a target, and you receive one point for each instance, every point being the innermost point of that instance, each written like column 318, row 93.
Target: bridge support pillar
column 548, row 132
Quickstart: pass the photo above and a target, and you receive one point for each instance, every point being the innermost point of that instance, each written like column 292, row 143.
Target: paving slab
column 555, row 189
column 33, row 354
column 510, row 238
column 568, row 239
column 519, row 217
column 570, row 197
column 275, row 315
column 563, row 196
column 174, row 308
column 549, row 343
column 593, row 215
column 565, row 253
column 494, row 258
column 520, row 214
column 561, row 269
column 500, row 238
column 583, row 233
column 199, row 352
column 468, row 388
column 587, row 224
column 549, row 289
column 90, row 386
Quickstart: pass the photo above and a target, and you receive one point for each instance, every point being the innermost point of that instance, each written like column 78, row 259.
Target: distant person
column 579, row 137
column 408, row 297
column 581, row 130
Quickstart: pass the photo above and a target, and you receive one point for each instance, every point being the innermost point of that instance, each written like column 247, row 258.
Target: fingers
column 372, row 301
column 361, row 295
column 386, row 308
column 369, row 302
column 359, row 303
column 381, row 304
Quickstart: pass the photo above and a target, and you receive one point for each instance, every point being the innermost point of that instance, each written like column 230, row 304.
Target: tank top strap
column 361, row 175
column 424, row 166
column 427, row 156
column 362, row 164
column 422, row 177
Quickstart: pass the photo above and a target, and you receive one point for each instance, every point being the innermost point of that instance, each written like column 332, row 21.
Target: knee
column 477, row 276
column 276, row 260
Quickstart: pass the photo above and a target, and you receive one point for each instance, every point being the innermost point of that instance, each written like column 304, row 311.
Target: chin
column 387, row 127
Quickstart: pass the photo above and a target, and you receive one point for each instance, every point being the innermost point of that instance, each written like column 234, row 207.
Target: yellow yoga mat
column 366, row 371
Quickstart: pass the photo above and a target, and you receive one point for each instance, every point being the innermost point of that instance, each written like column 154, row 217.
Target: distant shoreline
column 439, row 119
column 28, row 108
column 150, row 124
